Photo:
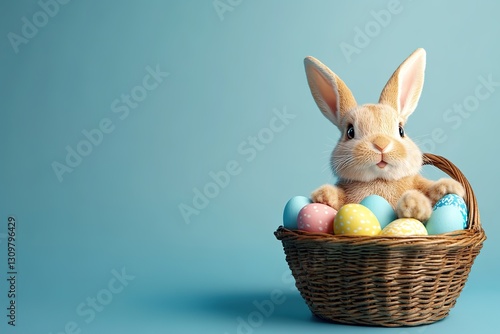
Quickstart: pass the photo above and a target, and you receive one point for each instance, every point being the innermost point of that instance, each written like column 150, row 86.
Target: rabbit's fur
column 374, row 155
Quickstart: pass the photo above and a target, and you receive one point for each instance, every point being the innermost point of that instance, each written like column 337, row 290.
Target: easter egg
column 356, row 219
column 292, row 209
column 454, row 200
column 380, row 208
column 316, row 217
column 404, row 227
column 445, row 219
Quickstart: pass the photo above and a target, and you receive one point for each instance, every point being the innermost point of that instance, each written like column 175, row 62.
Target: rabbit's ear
column 331, row 94
column 403, row 89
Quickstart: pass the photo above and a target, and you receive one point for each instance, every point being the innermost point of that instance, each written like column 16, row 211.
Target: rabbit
column 374, row 155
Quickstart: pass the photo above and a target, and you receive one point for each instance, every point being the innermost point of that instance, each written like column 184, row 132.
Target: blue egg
column 445, row 219
column 291, row 211
column 456, row 201
column 380, row 208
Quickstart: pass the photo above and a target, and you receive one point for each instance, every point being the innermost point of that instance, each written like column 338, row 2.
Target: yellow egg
column 356, row 219
column 404, row 227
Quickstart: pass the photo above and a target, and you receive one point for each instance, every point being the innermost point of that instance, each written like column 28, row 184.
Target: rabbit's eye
column 401, row 131
column 350, row 131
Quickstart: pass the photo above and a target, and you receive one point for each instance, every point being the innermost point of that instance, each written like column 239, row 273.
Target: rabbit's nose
column 381, row 143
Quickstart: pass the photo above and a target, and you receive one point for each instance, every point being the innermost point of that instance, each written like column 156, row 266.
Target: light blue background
column 119, row 208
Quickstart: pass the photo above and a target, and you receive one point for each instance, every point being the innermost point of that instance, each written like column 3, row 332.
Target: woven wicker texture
column 385, row 281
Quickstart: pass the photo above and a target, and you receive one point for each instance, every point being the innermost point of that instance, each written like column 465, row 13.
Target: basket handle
column 470, row 199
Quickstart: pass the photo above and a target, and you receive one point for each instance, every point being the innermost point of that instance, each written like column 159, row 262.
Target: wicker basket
column 385, row 281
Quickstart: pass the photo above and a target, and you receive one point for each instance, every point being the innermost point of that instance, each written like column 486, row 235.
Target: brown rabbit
column 374, row 155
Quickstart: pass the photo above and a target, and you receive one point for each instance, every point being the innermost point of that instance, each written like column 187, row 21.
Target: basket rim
column 473, row 230
column 461, row 237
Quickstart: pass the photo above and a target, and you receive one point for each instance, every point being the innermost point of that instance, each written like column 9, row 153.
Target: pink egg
column 316, row 217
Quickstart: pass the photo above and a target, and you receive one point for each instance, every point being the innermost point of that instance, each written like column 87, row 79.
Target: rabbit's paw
column 414, row 204
column 443, row 187
column 329, row 195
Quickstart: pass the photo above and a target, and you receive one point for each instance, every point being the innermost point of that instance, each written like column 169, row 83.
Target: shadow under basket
column 385, row 281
